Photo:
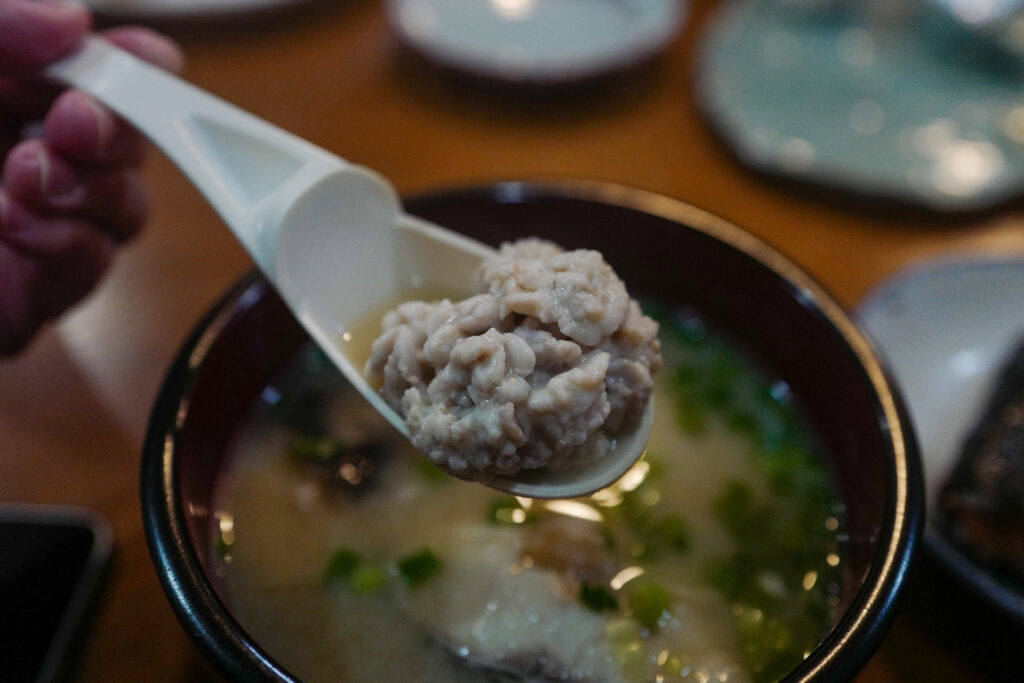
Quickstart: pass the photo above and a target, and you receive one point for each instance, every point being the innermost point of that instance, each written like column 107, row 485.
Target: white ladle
column 331, row 236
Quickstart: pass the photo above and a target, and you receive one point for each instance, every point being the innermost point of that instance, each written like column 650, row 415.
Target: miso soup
column 348, row 557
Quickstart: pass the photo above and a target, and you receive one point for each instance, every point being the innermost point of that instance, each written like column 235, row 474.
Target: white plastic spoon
column 330, row 235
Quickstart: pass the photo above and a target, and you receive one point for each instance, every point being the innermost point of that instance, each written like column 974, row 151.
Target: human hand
column 70, row 190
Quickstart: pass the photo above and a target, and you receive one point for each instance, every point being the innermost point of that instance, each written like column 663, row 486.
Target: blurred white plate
column 945, row 329
column 536, row 41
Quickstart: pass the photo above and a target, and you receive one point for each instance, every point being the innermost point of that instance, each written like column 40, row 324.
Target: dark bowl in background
column 660, row 247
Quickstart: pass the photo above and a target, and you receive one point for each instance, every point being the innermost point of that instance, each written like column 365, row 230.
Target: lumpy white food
column 542, row 369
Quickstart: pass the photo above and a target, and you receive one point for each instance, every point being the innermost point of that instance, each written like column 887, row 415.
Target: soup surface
column 348, row 557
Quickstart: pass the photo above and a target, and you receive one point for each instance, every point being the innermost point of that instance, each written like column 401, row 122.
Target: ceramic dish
column 796, row 331
column 536, row 42
column 896, row 107
column 945, row 329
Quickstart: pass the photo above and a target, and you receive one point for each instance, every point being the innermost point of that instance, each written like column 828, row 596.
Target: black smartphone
column 52, row 563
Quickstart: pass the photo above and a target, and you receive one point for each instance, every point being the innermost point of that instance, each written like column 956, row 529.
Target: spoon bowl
column 315, row 224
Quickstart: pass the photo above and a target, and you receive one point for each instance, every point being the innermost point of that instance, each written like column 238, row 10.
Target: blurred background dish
column 997, row 23
column 947, row 329
column 536, row 42
column 890, row 101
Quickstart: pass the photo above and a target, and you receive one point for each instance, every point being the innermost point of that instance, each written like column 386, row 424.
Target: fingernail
column 103, row 122
column 55, row 181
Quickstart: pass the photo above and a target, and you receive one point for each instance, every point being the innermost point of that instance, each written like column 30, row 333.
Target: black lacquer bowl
column 661, row 248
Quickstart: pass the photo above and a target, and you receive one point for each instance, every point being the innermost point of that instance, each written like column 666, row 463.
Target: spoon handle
column 247, row 168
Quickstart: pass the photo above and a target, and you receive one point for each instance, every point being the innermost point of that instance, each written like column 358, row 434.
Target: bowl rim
column 843, row 652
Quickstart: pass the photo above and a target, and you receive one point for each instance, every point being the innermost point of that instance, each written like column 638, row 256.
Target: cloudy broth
column 348, row 557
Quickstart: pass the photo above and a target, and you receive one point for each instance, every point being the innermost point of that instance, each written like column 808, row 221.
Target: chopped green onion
column 741, row 515
column 686, row 375
column 728, row 576
column 368, row 579
column 608, row 538
column 691, row 328
column 621, row 632
column 318, row 450
column 691, row 415
column 725, row 364
column 342, row 564
column 431, row 472
column 675, row 666
column 741, row 421
column 506, row 510
column 648, row 601
column 717, row 394
column 419, row 566
column 597, row 597
column 223, row 546
column 672, row 531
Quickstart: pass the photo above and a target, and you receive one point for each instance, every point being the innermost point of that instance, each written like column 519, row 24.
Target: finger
column 149, row 45
column 71, row 254
column 74, row 249
column 36, row 33
column 24, row 98
column 46, row 266
column 83, row 130
column 19, row 278
column 114, row 197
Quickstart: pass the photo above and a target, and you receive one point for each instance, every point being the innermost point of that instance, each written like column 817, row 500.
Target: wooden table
column 74, row 407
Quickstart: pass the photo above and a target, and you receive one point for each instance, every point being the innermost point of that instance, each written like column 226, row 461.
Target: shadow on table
column 461, row 93
column 978, row 641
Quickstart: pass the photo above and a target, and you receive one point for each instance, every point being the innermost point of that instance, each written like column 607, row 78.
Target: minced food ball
column 541, row 369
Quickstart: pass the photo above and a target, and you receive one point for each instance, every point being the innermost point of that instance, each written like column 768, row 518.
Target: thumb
column 33, row 34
